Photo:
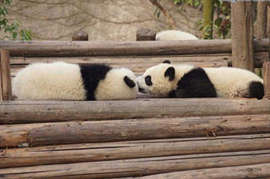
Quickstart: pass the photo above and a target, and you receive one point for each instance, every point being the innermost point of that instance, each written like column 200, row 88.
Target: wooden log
column 113, row 48
column 48, row 111
column 266, row 75
column 130, row 149
column 5, row 76
column 132, row 129
column 144, row 166
column 261, row 20
column 242, row 35
column 80, row 36
column 260, row 171
column 144, row 34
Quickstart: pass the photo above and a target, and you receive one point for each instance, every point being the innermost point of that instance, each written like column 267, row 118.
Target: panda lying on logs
column 187, row 81
column 63, row 81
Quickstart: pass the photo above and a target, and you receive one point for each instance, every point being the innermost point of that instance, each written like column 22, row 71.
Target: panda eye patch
column 148, row 80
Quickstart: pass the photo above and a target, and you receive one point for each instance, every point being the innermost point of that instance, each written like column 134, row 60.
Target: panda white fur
column 187, row 81
column 175, row 35
column 63, row 81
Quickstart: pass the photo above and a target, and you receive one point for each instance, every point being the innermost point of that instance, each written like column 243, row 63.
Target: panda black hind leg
column 256, row 90
column 194, row 84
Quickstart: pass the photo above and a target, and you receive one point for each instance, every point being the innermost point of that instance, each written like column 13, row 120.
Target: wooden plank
column 5, row 75
column 260, row 171
column 115, row 48
column 130, row 149
column 148, row 166
column 130, row 129
column 48, row 111
column 242, row 35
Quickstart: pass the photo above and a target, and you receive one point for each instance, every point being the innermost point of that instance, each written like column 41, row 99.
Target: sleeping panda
column 187, row 81
column 63, row 81
column 175, row 35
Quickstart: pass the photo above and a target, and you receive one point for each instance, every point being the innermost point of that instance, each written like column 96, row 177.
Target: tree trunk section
column 208, row 12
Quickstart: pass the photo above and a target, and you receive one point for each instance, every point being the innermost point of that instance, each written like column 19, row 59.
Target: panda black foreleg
column 195, row 84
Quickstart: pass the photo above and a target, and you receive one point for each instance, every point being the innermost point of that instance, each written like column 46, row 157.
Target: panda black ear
column 130, row 83
column 167, row 61
column 170, row 72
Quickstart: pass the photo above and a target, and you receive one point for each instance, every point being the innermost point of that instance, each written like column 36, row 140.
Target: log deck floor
column 142, row 139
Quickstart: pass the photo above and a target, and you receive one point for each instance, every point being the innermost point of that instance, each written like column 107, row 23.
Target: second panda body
column 63, row 81
column 187, row 81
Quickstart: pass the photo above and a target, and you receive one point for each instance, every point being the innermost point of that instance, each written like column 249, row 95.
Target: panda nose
column 141, row 90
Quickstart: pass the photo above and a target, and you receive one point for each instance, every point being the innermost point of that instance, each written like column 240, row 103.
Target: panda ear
column 130, row 83
column 167, row 61
column 170, row 72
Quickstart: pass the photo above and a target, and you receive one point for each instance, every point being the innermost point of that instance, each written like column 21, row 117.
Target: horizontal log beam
column 132, row 129
column 130, row 149
column 114, row 48
column 150, row 166
column 49, row 111
column 260, row 171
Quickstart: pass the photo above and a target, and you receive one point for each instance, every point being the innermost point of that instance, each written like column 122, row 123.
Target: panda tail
column 256, row 90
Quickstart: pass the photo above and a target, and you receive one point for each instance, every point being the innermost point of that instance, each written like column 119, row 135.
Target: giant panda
column 63, row 81
column 188, row 81
column 175, row 35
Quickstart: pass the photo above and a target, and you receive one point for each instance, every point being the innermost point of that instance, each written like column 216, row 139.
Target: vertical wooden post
column 261, row 20
column 268, row 28
column 266, row 79
column 266, row 65
column 242, row 35
column 5, row 76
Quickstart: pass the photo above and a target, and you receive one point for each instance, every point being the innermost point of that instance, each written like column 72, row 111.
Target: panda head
column 119, row 83
column 158, row 80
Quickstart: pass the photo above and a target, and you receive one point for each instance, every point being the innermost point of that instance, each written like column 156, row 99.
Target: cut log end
column 80, row 36
column 144, row 34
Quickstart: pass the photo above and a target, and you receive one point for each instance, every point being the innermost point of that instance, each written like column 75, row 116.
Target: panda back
column 232, row 82
column 42, row 81
column 175, row 35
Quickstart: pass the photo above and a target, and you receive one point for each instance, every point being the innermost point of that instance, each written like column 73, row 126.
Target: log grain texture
column 242, row 35
column 49, row 111
column 260, row 171
column 89, row 152
column 150, row 166
column 129, row 48
column 5, row 78
column 133, row 129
